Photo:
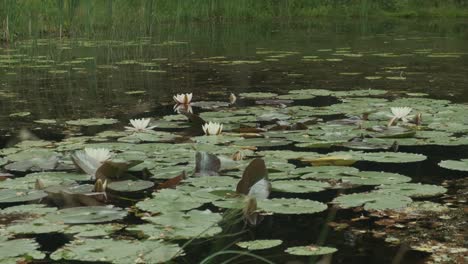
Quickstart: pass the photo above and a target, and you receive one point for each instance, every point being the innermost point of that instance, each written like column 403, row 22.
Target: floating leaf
column 179, row 225
column 373, row 201
column 290, row 206
column 459, row 165
column 168, row 200
column 87, row 215
column 413, row 190
column 259, row 244
column 20, row 195
column 117, row 251
column 12, row 250
column 310, row 250
column 130, row 186
column 393, row 157
column 299, row 186
column 92, row 122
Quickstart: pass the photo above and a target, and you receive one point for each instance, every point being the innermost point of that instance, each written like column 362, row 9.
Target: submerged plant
column 399, row 113
column 212, row 128
column 139, row 125
column 184, row 99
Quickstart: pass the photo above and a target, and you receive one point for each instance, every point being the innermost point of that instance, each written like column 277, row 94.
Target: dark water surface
column 89, row 76
column 97, row 76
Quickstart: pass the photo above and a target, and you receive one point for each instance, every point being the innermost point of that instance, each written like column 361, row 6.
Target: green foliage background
column 36, row 17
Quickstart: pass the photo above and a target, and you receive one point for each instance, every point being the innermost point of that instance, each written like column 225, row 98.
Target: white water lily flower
column 98, row 154
column 212, row 128
column 139, row 125
column 90, row 159
column 399, row 113
column 183, row 98
column 178, row 108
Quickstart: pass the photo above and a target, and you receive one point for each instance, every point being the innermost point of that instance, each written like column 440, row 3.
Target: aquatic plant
column 399, row 113
column 183, row 99
column 212, row 128
column 140, row 125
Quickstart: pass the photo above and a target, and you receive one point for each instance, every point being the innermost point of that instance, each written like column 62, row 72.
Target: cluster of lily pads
column 183, row 173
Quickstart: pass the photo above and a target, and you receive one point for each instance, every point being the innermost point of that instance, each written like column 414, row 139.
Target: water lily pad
column 12, row 250
column 259, row 244
column 87, row 215
column 393, row 157
column 30, row 209
column 20, row 195
column 154, row 136
column 179, row 225
column 373, row 201
column 130, row 186
column 299, row 186
column 36, row 226
column 310, row 250
column 47, row 179
column 93, row 230
column 413, row 190
column 374, row 178
column 258, row 95
column 92, row 122
column 117, row 251
column 262, row 142
column 225, row 182
column 290, row 206
column 459, row 165
column 168, row 200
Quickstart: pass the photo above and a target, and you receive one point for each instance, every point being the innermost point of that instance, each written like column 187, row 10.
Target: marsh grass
column 28, row 18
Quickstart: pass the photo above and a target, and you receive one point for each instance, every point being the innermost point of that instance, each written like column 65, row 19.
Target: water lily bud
column 100, row 186
column 39, row 184
column 232, row 98
column 238, row 156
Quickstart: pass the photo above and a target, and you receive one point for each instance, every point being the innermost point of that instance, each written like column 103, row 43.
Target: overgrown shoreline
column 31, row 18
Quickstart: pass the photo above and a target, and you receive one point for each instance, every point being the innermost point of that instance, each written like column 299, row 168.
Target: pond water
column 45, row 82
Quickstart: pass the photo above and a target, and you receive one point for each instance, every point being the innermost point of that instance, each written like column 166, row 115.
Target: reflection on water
column 122, row 75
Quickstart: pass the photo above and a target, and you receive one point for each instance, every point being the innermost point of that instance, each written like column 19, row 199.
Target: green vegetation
column 23, row 18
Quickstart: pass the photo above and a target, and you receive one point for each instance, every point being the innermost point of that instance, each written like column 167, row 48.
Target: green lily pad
column 30, row 209
column 374, row 178
column 413, row 190
column 459, row 165
column 47, row 179
column 393, row 157
column 259, row 244
column 20, row 195
column 299, row 186
column 130, row 186
column 168, row 200
column 36, row 226
column 117, row 251
column 92, row 122
column 179, row 225
column 262, row 142
column 87, row 215
column 373, row 201
column 154, row 136
column 93, row 230
column 258, row 95
column 224, row 182
column 12, row 250
column 290, row 206
column 310, row 250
